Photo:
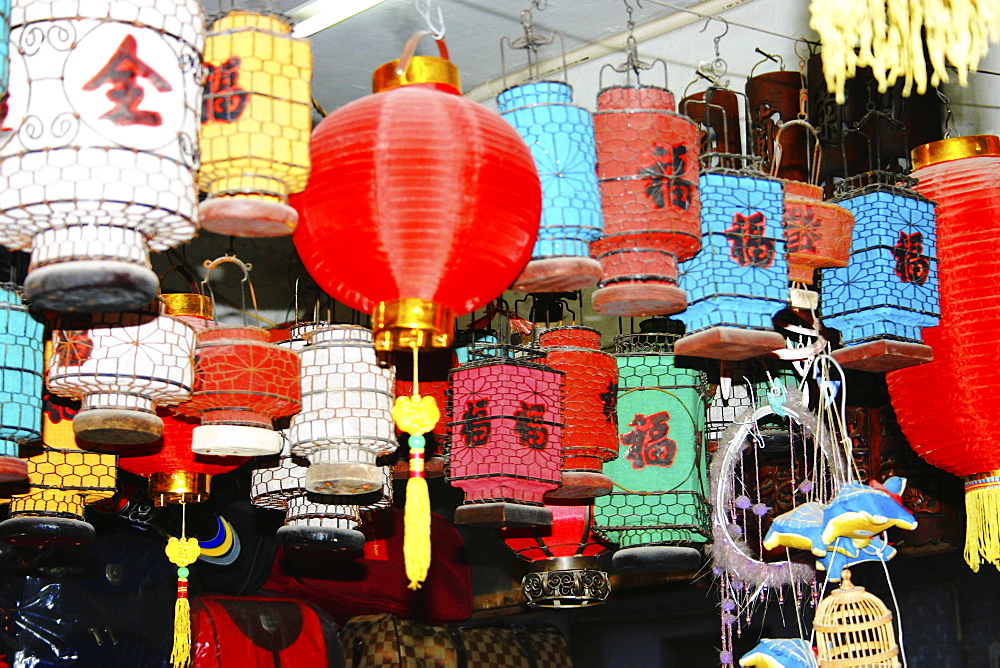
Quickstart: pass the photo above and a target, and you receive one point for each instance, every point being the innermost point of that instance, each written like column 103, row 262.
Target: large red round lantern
column 421, row 206
column 947, row 408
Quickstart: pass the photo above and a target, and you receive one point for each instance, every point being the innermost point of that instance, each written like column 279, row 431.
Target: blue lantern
column 4, row 47
column 889, row 291
column 658, row 512
column 561, row 138
column 739, row 280
column 21, row 347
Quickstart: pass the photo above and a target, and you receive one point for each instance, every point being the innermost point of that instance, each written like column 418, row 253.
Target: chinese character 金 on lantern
column 507, row 425
column 121, row 366
column 648, row 169
column 561, row 138
column 564, row 558
column 21, row 344
column 100, row 164
column 888, row 294
column 658, row 512
column 255, row 125
column 590, row 435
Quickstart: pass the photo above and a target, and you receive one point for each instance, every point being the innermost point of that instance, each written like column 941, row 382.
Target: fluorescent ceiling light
column 318, row 15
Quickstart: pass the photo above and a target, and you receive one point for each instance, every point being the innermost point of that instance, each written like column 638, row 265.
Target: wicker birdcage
column 854, row 628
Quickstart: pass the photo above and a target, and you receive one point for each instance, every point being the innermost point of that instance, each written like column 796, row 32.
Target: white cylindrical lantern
column 100, row 162
column 121, row 366
column 346, row 419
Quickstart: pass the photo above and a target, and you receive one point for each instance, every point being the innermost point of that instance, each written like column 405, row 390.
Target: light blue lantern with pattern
column 561, row 138
column 21, row 345
column 4, row 47
column 888, row 292
column 739, row 280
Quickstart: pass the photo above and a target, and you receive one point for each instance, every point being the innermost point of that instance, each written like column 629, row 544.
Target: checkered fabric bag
column 383, row 641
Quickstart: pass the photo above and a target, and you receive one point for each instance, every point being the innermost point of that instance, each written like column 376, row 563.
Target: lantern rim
column 955, row 148
column 171, row 487
column 419, row 70
column 402, row 324
column 187, row 304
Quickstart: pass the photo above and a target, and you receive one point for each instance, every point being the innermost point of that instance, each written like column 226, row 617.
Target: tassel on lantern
column 182, row 552
column 982, row 519
column 416, row 415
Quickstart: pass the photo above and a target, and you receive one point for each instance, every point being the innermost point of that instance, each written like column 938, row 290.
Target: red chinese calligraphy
column 123, row 71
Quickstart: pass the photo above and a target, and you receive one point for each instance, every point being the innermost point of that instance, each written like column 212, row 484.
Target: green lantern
column 657, row 512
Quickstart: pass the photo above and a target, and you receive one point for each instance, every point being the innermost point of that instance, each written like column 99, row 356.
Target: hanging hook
column 949, row 119
column 717, row 38
column 436, row 27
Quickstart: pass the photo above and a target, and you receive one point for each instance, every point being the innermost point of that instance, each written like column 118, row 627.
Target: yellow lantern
column 255, row 126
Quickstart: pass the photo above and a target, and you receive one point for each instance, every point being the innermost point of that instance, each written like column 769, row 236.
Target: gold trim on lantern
column 185, row 303
column 954, row 149
column 179, row 487
column 420, row 70
column 403, row 323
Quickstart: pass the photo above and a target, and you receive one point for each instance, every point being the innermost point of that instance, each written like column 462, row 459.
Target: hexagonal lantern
column 21, row 364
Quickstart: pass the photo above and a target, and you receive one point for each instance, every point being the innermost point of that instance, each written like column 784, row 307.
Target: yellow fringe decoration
column 180, row 655
column 417, row 531
column 982, row 526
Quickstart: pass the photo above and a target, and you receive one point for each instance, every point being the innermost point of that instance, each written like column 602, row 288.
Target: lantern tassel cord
column 982, row 529
column 182, row 552
column 416, row 415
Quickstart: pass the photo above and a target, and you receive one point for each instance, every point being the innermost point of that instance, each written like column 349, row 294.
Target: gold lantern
column 255, row 125
column 854, row 628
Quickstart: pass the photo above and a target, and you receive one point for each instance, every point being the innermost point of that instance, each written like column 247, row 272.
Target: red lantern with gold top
column 564, row 558
column 647, row 163
column 590, row 436
column 421, row 206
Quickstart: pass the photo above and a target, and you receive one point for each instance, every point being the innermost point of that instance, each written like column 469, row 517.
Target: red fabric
column 346, row 584
column 947, row 408
column 417, row 192
column 569, row 536
column 172, row 452
column 258, row 632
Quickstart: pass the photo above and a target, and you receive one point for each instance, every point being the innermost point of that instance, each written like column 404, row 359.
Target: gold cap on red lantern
column 419, row 70
column 179, row 487
column 402, row 324
column 187, row 303
column 955, row 148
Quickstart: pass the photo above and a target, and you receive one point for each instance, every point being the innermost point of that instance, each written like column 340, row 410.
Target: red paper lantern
column 590, row 437
column 647, row 162
column 243, row 382
column 176, row 474
column 947, row 408
column 421, row 206
column 564, row 558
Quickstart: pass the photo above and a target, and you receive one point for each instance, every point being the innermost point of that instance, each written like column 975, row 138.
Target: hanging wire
column 436, row 25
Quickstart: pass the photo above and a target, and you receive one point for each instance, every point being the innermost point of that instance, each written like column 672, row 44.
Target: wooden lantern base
column 502, row 515
column 117, row 426
column 46, row 531
column 655, row 559
column 321, row 538
column 627, row 300
column 91, row 286
column 247, row 217
column 581, row 485
column 883, row 356
column 13, row 470
column 728, row 343
column 558, row 274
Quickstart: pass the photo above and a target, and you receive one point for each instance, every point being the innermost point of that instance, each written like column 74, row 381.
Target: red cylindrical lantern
column 590, row 437
column 176, row 474
column 243, row 382
column 647, row 162
column 564, row 558
column 421, row 206
column 947, row 408
column 507, row 425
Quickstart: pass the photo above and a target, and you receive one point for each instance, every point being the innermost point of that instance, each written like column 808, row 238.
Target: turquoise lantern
column 21, row 343
column 561, row 138
column 657, row 512
column 888, row 292
column 4, row 55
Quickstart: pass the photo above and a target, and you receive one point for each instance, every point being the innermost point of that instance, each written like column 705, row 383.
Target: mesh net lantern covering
column 590, row 435
column 433, row 201
column 99, row 167
column 561, row 138
column 564, row 556
column 888, row 292
column 507, row 427
column 176, row 473
column 945, row 407
column 658, row 512
column 121, row 366
column 648, row 169
column 21, row 345
column 255, row 125
column 346, row 419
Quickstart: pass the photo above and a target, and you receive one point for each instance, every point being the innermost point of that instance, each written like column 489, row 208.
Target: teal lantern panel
column 21, row 346
column 4, row 47
column 660, row 480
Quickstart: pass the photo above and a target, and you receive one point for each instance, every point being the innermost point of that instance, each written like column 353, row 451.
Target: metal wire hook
column 949, row 119
column 423, row 8
column 717, row 38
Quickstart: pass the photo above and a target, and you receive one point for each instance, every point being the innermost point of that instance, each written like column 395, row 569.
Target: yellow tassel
column 417, row 531
column 180, row 655
column 982, row 523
